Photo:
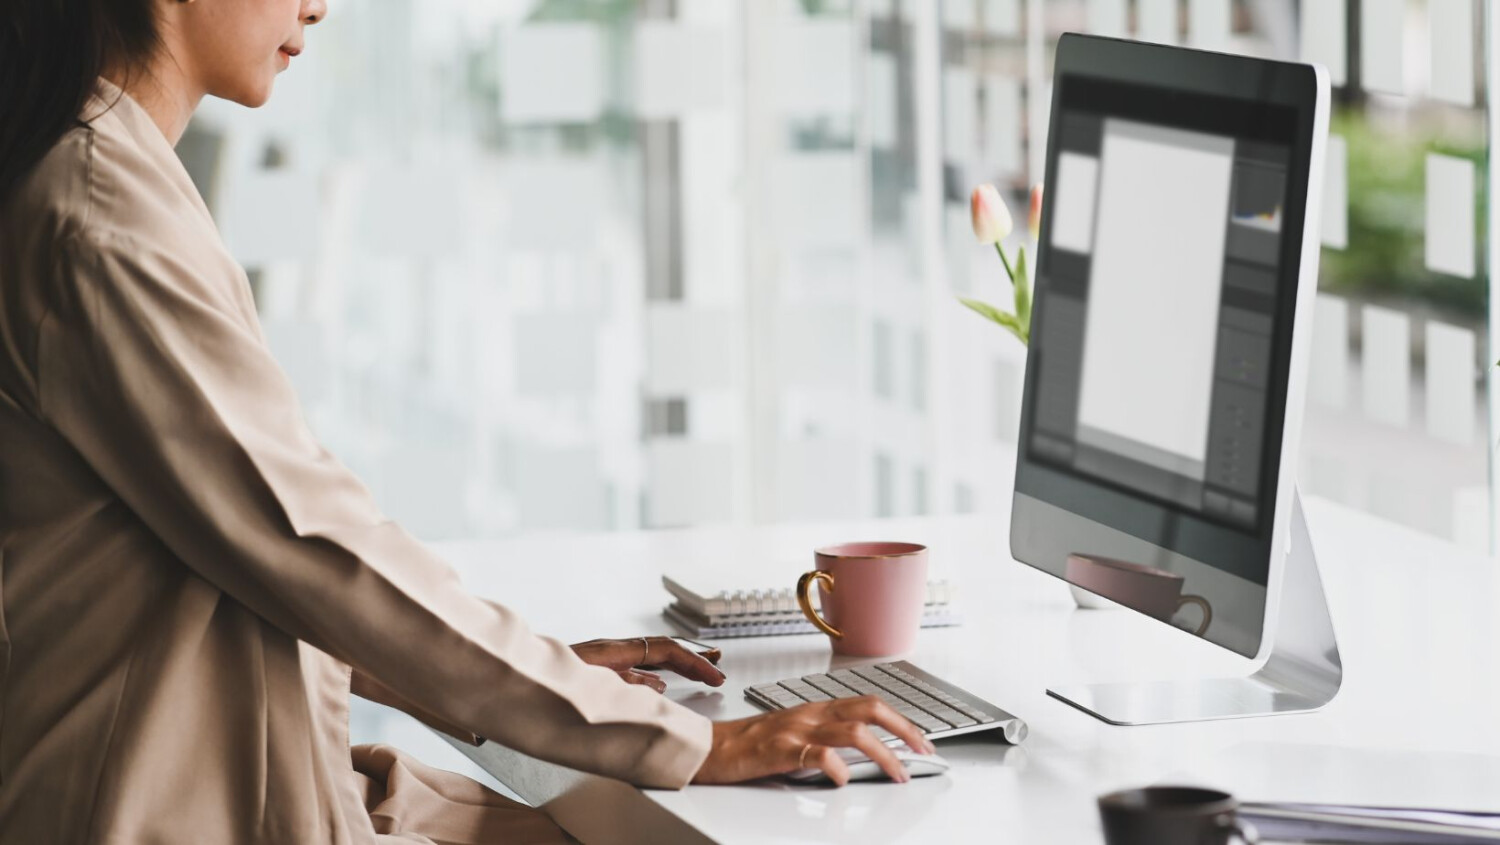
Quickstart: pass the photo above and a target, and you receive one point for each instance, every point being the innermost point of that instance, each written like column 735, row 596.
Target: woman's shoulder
column 50, row 204
column 108, row 182
column 109, row 197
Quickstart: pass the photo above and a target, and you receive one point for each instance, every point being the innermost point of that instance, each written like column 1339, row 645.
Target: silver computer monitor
column 1177, row 265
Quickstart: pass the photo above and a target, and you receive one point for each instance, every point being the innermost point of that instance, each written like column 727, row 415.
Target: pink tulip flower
column 992, row 222
column 990, row 216
column 1034, row 219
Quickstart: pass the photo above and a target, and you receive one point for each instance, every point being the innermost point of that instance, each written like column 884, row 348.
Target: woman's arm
column 623, row 657
column 370, row 689
column 170, row 394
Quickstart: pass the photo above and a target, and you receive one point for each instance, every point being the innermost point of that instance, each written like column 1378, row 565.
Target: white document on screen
column 1154, row 284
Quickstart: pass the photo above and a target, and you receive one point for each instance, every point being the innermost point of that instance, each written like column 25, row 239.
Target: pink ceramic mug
column 872, row 595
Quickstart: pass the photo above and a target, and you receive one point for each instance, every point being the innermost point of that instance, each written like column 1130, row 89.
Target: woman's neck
column 163, row 90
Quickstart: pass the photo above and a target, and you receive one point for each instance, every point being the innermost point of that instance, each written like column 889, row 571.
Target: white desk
column 1415, row 618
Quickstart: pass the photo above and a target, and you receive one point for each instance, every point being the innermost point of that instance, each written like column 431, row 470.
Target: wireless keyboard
column 939, row 708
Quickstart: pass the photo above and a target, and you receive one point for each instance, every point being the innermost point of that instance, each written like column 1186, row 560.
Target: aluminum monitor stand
column 1302, row 673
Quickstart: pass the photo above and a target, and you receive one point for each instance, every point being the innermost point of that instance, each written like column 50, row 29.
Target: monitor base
column 1302, row 673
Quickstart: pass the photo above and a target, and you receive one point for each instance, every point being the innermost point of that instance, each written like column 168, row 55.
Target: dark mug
column 1172, row 815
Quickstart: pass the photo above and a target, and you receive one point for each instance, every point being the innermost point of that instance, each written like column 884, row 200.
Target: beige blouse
column 187, row 577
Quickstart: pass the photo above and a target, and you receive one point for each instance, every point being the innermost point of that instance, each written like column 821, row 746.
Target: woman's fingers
column 808, row 736
column 668, row 653
column 648, row 679
column 858, row 736
column 613, row 654
column 664, row 652
column 871, row 710
column 828, row 759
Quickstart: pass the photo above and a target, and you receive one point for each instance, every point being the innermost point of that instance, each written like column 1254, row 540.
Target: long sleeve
column 151, row 367
column 371, row 689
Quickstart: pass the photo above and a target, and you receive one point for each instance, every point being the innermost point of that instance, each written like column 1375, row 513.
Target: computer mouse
column 861, row 767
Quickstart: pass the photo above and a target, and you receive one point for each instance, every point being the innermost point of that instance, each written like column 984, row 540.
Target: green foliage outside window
column 1385, row 257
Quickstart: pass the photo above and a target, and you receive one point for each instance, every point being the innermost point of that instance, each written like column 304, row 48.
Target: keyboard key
column 976, row 714
column 979, row 716
column 772, row 691
column 920, row 708
column 873, row 676
column 906, row 691
column 927, row 721
column 810, row 693
column 968, row 709
column 952, row 717
column 853, row 681
column 830, row 686
column 926, row 702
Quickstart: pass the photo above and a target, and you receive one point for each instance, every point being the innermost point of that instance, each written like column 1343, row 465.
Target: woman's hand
column 623, row 656
column 806, row 736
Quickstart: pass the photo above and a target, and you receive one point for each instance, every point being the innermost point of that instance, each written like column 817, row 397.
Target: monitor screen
column 1157, row 378
column 1163, row 257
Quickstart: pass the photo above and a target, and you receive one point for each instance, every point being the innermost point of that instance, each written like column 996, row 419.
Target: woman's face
column 235, row 48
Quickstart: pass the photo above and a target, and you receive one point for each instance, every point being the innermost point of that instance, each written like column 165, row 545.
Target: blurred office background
column 591, row 265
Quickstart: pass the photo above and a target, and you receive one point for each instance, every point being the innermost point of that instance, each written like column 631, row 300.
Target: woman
column 189, row 585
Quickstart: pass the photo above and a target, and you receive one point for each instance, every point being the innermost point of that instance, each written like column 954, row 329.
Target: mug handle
column 1208, row 611
column 804, row 585
column 1245, row 831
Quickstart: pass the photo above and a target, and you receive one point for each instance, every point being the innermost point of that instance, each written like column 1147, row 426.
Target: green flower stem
column 1011, row 274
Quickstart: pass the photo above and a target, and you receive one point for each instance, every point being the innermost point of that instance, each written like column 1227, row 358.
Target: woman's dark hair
column 51, row 51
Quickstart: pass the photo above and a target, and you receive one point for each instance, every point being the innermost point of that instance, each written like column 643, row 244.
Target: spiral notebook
column 771, row 611
column 1384, row 825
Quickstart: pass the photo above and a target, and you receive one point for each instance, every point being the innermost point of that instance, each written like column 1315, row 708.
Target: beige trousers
column 412, row 802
